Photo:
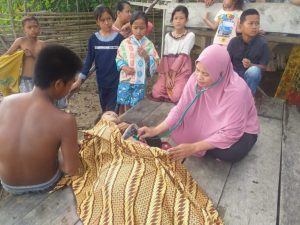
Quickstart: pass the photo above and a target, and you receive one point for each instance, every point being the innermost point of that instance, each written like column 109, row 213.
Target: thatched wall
column 69, row 29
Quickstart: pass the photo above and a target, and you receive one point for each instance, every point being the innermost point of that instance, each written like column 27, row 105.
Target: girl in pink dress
column 175, row 67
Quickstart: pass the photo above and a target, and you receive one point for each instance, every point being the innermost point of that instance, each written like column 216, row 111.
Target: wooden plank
column 270, row 37
column 271, row 108
column 210, row 174
column 158, row 115
column 274, row 17
column 58, row 208
column 250, row 195
column 14, row 208
column 290, row 171
column 79, row 222
column 140, row 111
column 145, row 4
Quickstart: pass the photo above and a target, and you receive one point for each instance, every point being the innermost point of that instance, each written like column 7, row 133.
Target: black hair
column 248, row 12
column 55, row 62
column 100, row 9
column 121, row 4
column 180, row 8
column 139, row 15
column 238, row 4
column 29, row 18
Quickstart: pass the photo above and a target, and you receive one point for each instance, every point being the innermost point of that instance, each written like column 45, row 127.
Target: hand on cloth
column 182, row 151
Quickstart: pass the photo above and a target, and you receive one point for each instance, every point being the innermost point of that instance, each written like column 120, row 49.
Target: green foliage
column 52, row 5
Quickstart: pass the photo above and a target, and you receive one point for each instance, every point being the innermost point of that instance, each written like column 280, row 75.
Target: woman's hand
column 145, row 132
column 182, row 151
column 128, row 70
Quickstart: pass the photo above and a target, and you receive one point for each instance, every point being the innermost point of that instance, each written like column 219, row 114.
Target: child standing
column 226, row 21
column 31, row 46
column 102, row 48
column 175, row 67
column 136, row 56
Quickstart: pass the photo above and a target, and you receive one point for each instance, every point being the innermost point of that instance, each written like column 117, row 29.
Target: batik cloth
column 130, row 183
column 289, row 86
column 10, row 70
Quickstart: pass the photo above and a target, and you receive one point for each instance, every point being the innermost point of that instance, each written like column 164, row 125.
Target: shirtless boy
column 32, row 129
column 31, row 46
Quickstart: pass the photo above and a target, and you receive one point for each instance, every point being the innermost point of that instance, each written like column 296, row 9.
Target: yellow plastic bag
column 10, row 69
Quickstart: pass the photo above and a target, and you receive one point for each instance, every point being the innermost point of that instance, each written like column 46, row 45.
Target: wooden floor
column 262, row 189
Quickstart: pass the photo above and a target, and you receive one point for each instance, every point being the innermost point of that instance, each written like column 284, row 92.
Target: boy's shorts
column 130, row 94
column 37, row 188
column 26, row 84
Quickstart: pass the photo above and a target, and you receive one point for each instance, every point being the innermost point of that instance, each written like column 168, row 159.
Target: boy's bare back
column 31, row 132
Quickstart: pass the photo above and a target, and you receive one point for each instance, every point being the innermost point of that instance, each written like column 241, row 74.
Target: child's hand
column 170, row 80
column 142, row 52
column 261, row 32
column 208, row 2
column 169, row 83
column 206, row 15
column 126, row 27
column 246, row 62
column 128, row 70
column 28, row 53
column 76, row 86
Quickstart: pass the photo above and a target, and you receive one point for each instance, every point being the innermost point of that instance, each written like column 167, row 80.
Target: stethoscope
column 198, row 94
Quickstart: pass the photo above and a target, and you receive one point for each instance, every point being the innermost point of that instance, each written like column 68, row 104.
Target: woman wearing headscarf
column 216, row 113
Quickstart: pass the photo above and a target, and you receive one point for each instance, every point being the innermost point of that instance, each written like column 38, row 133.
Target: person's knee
column 155, row 93
column 253, row 73
column 156, row 90
column 175, row 97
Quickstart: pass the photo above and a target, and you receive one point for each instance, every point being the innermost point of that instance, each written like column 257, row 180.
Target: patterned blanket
column 130, row 183
column 289, row 86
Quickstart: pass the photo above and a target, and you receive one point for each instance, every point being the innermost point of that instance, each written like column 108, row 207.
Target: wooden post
column 3, row 43
column 162, row 47
column 77, row 6
column 151, row 6
column 12, row 23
